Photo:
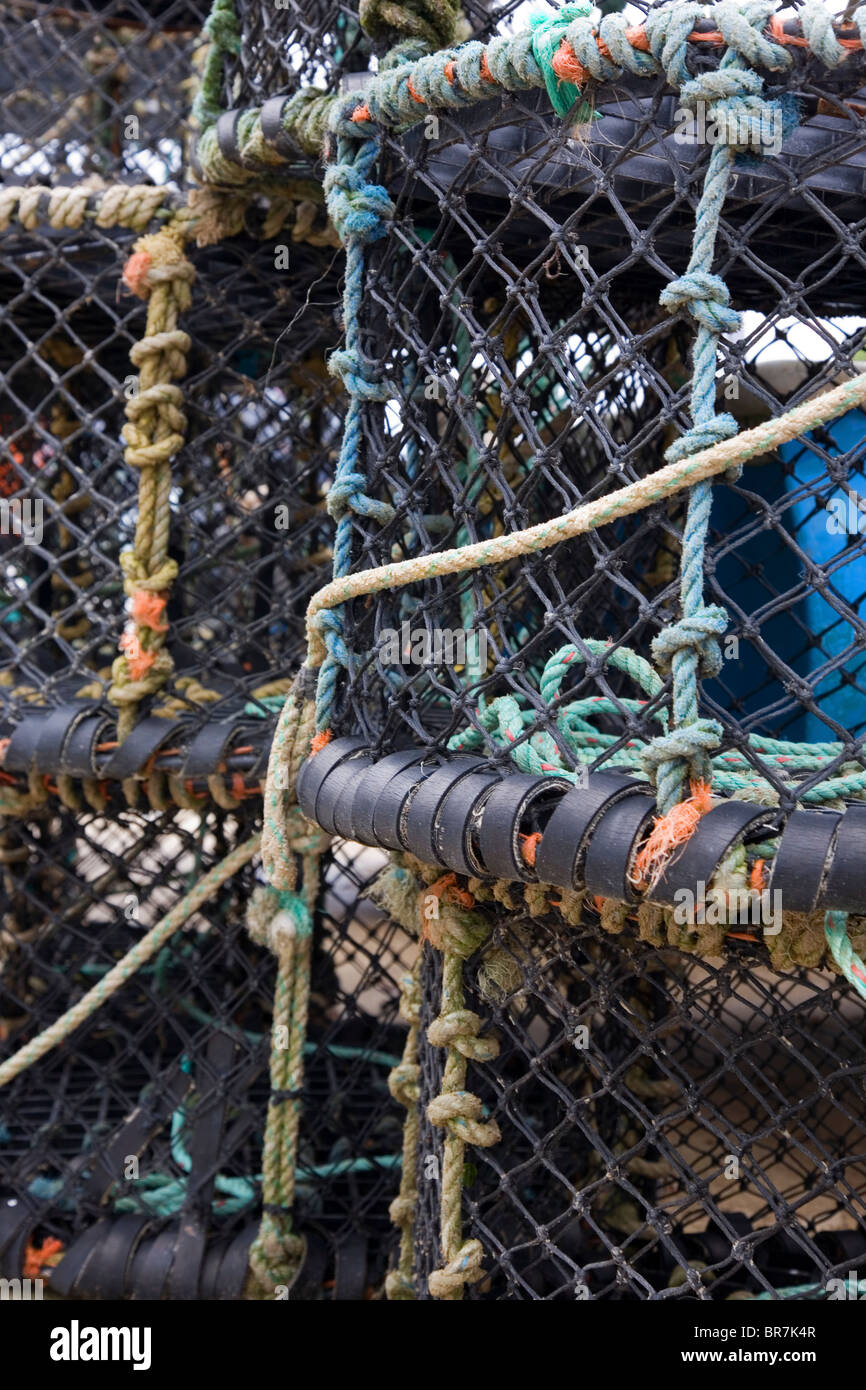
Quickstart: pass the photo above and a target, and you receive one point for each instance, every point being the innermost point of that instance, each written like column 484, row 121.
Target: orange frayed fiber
column 135, row 273
column 756, row 877
column 529, row 847
column 147, row 610
column 140, row 661
column 669, row 833
column 35, row 1260
column 319, row 741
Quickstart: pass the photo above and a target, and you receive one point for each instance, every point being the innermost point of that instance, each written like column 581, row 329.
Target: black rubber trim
column 226, row 134
column 392, row 806
column 136, row 1132
column 22, row 745
column 368, row 791
column 421, row 834
column 609, row 852
column 16, row 1223
column 337, row 791
column 207, row 749
column 204, row 1152
column 151, row 1266
column 55, row 733
column 801, row 858
column 234, row 1266
column 307, row 1285
column 79, row 753
column 67, row 1276
column 136, row 750
column 846, row 881
column 107, row 1269
column 559, row 857
column 315, row 769
column 504, row 812
column 713, row 836
column 271, row 123
column 458, row 822
column 350, row 1272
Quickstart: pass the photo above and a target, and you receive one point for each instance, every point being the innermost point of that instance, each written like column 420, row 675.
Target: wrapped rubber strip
column 392, row 807
column 337, row 790
column 505, row 812
column 459, row 821
column 558, row 859
column 422, row 818
column 846, row 881
column 801, row 858
column 610, row 848
column 714, row 835
column 368, row 791
column 315, row 769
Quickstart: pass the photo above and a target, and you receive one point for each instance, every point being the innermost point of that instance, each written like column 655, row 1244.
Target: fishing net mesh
column 680, row 1111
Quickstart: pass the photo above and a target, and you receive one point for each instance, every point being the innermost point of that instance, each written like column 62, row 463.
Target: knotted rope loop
column 437, row 23
column 358, row 209
column 459, row 1029
column 464, row 1268
column 358, row 375
column 461, row 1112
column 698, row 633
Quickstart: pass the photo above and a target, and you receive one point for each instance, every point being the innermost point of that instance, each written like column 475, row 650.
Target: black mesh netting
column 671, row 1126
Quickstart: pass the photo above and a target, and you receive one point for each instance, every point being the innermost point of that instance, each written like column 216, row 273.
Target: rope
column 843, row 953
column 360, row 211
column 404, row 1085
column 402, row 94
column 283, row 921
column 141, row 952
column 457, row 933
column 159, row 272
column 625, row 501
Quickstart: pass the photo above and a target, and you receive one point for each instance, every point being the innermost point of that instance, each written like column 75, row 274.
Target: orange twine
column 319, row 740
column 135, row 273
column 140, row 661
column 756, row 878
column 668, row 833
column 529, row 847
column 35, row 1260
column 148, row 608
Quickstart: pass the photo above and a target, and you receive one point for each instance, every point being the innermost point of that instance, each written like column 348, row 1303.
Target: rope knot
column 357, row 374
column 461, row 1112
column 465, row 1268
column 357, row 209
column 459, row 1029
column 277, row 918
column 707, row 298
column 698, row 632
column 438, row 23
column 404, row 1083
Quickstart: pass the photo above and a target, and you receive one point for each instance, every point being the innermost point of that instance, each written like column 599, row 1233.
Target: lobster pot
column 248, row 526
column 98, row 90
column 131, row 1158
column 677, row 1101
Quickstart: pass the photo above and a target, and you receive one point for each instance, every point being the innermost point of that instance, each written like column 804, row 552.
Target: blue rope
column 360, row 211
column 734, row 101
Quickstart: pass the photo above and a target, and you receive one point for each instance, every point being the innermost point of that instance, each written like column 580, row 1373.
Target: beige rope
column 673, row 478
